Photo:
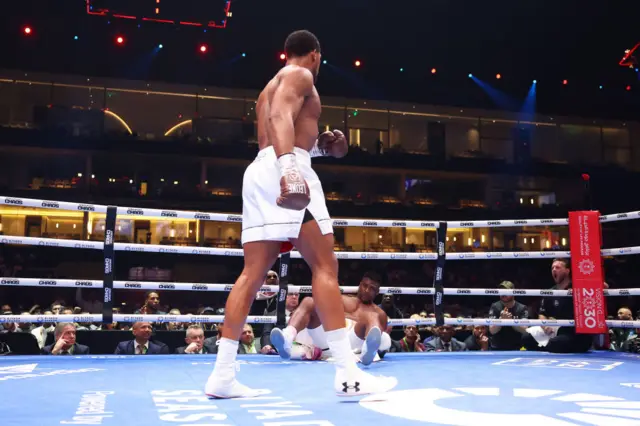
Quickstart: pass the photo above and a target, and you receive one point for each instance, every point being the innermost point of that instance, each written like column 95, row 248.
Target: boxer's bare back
column 292, row 90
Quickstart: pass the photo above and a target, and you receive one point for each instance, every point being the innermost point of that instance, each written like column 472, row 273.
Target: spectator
column 151, row 304
column 141, row 345
column 25, row 327
column 248, row 342
column 174, row 326
column 410, row 342
column 388, row 305
column 478, row 341
column 445, row 342
column 619, row 336
column 208, row 310
column 196, row 342
column 265, row 301
column 6, row 310
column 86, row 325
column 507, row 338
column 557, row 339
column 43, row 330
column 9, row 327
column 92, row 303
column 56, row 308
column 65, row 342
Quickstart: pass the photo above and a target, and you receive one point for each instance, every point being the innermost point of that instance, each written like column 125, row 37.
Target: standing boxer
column 283, row 202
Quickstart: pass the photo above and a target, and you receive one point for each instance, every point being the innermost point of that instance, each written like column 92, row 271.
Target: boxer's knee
column 307, row 305
column 385, row 342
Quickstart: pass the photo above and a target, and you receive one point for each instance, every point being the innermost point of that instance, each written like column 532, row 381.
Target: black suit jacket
column 206, row 349
column 129, row 348
column 78, row 349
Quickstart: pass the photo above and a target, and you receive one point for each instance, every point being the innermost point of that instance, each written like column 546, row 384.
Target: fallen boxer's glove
column 294, row 191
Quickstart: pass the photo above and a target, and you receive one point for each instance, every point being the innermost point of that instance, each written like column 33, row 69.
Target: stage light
column 160, row 46
column 75, row 37
column 120, row 40
column 565, row 82
column 283, row 56
column 324, row 62
column 470, row 75
column 433, row 70
column 535, row 81
column 600, row 87
column 244, row 55
column 358, row 63
column 203, row 48
column 401, row 69
column 628, row 88
column 498, row 76
column 27, row 30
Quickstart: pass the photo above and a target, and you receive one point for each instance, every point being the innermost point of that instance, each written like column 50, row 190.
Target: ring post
column 438, row 294
column 109, row 264
column 281, row 314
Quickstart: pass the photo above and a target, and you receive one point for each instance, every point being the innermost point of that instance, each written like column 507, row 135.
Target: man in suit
column 65, row 337
column 248, row 343
column 196, row 343
column 141, row 345
column 445, row 342
column 410, row 342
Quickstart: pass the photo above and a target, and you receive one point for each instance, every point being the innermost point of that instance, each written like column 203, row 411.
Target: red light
column 283, row 56
column 27, row 30
column 203, row 48
column 119, row 39
column 628, row 88
column 565, row 82
column 433, row 70
column 498, row 76
column 358, row 63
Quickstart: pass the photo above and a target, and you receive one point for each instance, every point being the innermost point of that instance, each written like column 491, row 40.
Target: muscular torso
column 306, row 123
column 357, row 311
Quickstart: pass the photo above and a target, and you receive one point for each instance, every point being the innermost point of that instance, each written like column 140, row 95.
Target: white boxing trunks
column 262, row 218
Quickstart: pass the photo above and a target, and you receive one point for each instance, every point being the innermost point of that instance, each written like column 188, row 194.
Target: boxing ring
column 456, row 388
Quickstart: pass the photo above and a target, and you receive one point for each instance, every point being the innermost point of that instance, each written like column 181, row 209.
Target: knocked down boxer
column 304, row 337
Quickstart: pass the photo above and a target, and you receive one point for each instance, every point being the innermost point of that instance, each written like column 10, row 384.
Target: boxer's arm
column 382, row 317
column 287, row 101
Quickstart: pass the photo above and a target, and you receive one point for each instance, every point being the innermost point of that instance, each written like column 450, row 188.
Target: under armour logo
column 346, row 387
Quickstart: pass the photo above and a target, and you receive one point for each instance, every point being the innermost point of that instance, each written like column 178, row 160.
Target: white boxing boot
column 282, row 341
column 357, row 383
column 222, row 382
column 370, row 346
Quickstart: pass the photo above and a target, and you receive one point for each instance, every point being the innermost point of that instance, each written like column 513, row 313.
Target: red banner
column 586, row 270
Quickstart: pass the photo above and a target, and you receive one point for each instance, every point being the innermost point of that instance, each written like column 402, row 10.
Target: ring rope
column 223, row 217
column 175, row 286
column 354, row 255
column 272, row 319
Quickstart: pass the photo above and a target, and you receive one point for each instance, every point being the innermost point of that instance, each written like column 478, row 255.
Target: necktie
column 447, row 347
column 142, row 350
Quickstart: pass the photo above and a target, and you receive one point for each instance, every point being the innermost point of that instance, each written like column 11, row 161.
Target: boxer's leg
column 303, row 317
column 259, row 256
column 366, row 337
column 317, row 251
